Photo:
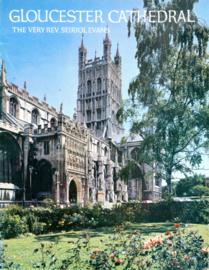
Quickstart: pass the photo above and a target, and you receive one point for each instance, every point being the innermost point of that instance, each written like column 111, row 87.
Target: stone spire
column 25, row 85
column 117, row 51
column 3, row 73
column 75, row 114
column 107, row 38
column 61, row 108
column 82, row 43
column 82, row 54
column 107, row 44
column 117, row 56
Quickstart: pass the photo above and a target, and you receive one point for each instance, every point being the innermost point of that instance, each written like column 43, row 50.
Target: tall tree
column 169, row 97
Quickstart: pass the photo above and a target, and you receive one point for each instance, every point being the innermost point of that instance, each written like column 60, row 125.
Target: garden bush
column 43, row 220
column 13, row 225
column 179, row 250
column 188, row 212
column 39, row 228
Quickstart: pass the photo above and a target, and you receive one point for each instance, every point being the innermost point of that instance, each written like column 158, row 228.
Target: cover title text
column 97, row 16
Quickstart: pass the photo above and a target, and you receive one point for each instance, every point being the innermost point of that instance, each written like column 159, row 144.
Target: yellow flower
column 61, row 222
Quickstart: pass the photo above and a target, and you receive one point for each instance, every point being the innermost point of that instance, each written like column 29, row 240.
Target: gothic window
column 89, row 86
column 98, row 126
column 13, row 106
column 46, row 148
column 115, row 178
column 96, row 173
column 104, row 102
column 42, row 180
column 98, row 148
column 10, row 160
column 73, row 192
column 99, row 114
column 135, row 153
column 88, row 115
column 35, row 116
column 105, row 151
column 99, row 85
column 53, row 122
column 105, row 171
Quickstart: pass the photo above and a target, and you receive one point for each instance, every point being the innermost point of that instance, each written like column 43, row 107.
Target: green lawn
column 21, row 250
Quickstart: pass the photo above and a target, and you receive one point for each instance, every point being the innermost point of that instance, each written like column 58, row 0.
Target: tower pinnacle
column 117, row 51
column 82, row 54
column 61, row 108
column 107, row 47
column 118, row 57
column 82, row 43
column 3, row 73
column 25, row 85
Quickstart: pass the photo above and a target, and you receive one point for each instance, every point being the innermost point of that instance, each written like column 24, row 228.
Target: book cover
column 104, row 134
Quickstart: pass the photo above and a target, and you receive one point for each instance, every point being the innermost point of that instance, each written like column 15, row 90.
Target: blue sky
column 49, row 62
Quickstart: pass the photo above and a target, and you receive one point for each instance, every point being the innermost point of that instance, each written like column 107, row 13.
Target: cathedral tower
column 99, row 91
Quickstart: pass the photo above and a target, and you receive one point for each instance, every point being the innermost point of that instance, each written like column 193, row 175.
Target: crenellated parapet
column 71, row 127
column 24, row 95
column 45, row 130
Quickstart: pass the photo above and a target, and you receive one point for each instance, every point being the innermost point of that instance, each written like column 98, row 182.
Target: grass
column 21, row 250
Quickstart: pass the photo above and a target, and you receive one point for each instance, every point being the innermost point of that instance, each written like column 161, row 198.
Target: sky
column 49, row 62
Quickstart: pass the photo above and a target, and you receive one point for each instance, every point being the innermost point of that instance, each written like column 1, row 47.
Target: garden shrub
column 53, row 219
column 189, row 212
column 195, row 212
column 13, row 225
column 39, row 228
column 179, row 250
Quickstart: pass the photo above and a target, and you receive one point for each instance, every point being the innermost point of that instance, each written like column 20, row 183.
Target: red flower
column 176, row 225
column 153, row 242
column 168, row 233
column 118, row 262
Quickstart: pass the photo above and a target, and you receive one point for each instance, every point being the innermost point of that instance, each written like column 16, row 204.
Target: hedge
column 17, row 220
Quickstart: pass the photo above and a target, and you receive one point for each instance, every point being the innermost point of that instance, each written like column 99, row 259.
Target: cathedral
column 46, row 154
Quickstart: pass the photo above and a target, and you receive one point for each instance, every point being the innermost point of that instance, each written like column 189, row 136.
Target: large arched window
column 99, row 85
column 10, row 166
column 73, row 192
column 13, row 106
column 135, row 153
column 53, row 122
column 35, row 117
column 42, row 180
column 89, row 86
